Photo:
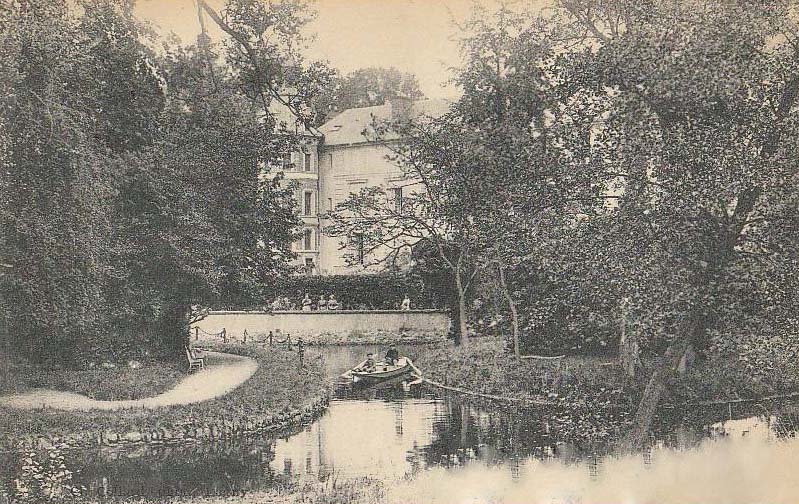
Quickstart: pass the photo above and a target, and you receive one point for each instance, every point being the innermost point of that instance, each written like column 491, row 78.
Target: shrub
column 43, row 477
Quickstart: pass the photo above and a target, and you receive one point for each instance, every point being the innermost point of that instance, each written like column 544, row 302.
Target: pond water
column 438, row 449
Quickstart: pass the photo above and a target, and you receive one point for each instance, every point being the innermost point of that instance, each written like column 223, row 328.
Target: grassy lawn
column 118, row 383
column 278, row 385
column 484, row 367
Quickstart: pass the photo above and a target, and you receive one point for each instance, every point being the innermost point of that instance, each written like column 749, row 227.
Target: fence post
column 245, row 336
column 300, row 350
column 196, row 333
column 224, row 335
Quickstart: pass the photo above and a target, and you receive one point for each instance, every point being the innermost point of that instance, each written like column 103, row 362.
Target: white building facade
column 339, row 160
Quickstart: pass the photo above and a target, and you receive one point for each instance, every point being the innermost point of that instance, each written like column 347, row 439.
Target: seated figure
column 332, row 304
column 369, row 365
column 392, row 355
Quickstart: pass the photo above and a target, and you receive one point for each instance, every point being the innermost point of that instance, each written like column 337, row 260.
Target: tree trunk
column 174, row 330
column 514, row 314
column 693, row 327
column 664, row 369
column 628, row 346
column 463, row 330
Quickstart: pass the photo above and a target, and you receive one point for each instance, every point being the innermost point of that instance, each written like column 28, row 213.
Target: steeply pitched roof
column 348, row 126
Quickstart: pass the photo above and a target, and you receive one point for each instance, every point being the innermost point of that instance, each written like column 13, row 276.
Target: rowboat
column 382, row 371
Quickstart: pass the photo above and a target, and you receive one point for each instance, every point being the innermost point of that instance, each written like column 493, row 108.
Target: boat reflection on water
column 393, row 389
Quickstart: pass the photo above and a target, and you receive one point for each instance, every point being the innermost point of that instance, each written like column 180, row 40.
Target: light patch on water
column 740, row 470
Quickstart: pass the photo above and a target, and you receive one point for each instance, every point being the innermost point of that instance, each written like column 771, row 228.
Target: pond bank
column 353, row 491
column 589, row 399
column 279, row 395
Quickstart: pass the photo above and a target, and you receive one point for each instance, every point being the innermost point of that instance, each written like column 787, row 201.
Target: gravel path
column 223, row 373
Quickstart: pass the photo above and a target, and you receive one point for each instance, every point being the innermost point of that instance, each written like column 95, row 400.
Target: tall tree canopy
column 695, row 121
column 132, row 183
column 639, row 159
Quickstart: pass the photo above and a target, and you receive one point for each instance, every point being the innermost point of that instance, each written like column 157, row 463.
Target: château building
column 338, row 159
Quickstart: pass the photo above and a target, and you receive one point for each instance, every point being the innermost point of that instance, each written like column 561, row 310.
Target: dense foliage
column 612, row 168
column 132, row 184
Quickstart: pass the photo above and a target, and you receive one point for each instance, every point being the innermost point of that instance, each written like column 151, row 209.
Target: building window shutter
column 359, row 248
column 397, row 198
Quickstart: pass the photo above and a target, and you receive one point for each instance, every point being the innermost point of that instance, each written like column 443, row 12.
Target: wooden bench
column 195, row 363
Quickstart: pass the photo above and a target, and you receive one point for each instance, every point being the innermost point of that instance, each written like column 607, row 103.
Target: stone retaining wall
column 327, row 327
column 184, row 433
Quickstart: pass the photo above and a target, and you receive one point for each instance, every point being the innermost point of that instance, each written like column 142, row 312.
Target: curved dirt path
column 223, row 373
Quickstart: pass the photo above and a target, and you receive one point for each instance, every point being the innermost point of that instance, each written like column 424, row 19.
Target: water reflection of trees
column 459, row 434
column 208, row 469
column 493, row 436
column 685, row 428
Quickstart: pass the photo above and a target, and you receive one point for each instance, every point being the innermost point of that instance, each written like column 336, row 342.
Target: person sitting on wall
column 322, row 303
column 392, row 355
column 306, row 303
column 406, row 304
column 276, row 304
column 332, row 304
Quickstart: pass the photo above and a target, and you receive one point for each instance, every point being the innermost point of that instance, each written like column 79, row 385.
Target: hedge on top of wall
column 382, row 291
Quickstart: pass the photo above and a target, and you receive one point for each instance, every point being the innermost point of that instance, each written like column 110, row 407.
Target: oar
column 415, row 369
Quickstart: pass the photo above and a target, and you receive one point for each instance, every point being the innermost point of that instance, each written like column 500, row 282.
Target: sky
column 415, row 36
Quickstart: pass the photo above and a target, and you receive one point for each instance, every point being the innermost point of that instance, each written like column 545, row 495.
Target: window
column 330, row 160
column 307, row 240
column 307, row 161
column 286, row 162
column 397, row 198
column 307, row 203
column 359, row 248
column 330, row 204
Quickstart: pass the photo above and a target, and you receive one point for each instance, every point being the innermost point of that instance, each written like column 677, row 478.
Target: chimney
column 400, row 108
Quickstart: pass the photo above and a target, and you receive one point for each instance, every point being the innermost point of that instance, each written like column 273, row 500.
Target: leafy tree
column 434, row 209
column 695, row 125
column 132, row 185
column 61, row 125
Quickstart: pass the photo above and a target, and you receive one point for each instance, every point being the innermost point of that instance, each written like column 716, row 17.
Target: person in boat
column 369, row 365
column 392, row 355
